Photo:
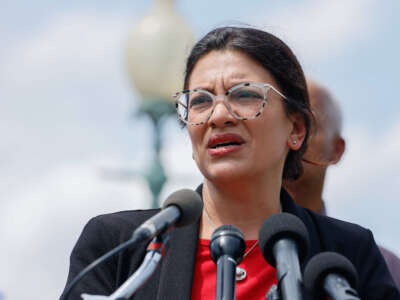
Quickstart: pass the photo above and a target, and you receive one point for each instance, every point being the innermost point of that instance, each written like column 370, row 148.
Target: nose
column 221, row 116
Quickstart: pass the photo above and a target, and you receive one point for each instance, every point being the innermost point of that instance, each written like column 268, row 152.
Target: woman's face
column 259, row 145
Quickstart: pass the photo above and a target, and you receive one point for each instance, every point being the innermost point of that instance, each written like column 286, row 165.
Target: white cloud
column 70, row 47
column 319, row 29
column 63, row 94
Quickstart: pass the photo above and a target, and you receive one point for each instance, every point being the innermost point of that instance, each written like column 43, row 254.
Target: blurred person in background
column 325, row 148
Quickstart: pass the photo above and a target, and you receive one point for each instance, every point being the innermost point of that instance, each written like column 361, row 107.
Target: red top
column 260, row 275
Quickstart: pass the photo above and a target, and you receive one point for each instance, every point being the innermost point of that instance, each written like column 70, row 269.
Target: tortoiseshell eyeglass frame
column 264, row 86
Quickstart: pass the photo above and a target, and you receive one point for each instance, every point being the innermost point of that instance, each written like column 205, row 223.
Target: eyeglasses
column 245, row 101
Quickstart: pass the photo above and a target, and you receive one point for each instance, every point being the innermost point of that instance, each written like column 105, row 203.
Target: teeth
column 225, row 144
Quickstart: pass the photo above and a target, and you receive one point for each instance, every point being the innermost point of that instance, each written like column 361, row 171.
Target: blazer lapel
column 289, row 206
column 177, row 268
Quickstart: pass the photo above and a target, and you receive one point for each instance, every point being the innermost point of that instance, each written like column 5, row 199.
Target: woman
column 245, row 104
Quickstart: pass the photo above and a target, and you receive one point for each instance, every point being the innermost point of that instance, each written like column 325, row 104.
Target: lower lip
column 224, row 150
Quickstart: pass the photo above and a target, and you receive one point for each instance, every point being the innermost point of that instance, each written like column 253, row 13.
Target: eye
column 199, row 100
column 247, row 94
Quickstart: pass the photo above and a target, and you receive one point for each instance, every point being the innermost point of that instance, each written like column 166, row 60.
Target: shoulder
column 104, row 232
column 326, row 233
column 349, row 239
column 119, row 225
column 335, row 233
column 335, row 224
column 124, row 218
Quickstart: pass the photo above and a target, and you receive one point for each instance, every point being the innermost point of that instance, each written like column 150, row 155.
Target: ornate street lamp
column 157, row 48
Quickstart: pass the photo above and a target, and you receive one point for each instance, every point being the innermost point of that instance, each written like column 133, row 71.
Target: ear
column 340, row 146
column 298, row 131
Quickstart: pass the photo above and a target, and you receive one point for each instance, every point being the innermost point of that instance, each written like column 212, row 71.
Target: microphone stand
column 332, row 281
column 273, row 293
column 155, row 252
column 288, row 270
column 226, row 271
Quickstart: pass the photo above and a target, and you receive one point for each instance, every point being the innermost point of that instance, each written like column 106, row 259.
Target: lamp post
column 157, row 48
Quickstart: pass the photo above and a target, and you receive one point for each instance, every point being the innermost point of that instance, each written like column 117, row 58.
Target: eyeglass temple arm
column 276, row 91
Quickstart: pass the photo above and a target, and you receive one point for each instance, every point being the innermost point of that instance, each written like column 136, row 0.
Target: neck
column 307, row 193
column 245, row 205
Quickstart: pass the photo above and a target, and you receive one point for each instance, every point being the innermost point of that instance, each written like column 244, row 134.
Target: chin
column 223, row 173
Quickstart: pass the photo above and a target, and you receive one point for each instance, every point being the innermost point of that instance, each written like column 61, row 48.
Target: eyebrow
column 202, row 88
column 233, row 82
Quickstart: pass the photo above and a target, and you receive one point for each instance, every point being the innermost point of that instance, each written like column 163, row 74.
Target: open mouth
column 225, row 144
column 225, row 140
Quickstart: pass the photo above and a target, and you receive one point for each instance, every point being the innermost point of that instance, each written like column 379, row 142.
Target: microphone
column 283, row 240
column 333, row 274
column 227, row 247
column 181, row 208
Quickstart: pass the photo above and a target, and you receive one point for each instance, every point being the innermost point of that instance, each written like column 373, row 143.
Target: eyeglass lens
column 196, row 106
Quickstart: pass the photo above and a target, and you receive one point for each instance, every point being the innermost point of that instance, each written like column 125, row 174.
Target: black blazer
column 173, row 279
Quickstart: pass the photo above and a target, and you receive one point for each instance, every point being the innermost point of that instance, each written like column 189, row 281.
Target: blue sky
column 66, row 101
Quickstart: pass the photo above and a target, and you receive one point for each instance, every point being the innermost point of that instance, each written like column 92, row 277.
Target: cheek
column 274, row 131
column 271, row 139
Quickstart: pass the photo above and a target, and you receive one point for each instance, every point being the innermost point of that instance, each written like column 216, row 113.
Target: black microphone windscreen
column 278, row 226
column 232, row 229
column 227, row 240
column 189, row 203
column 324, row 263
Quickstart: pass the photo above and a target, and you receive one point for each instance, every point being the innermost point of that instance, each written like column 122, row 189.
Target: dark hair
column 275, row 56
